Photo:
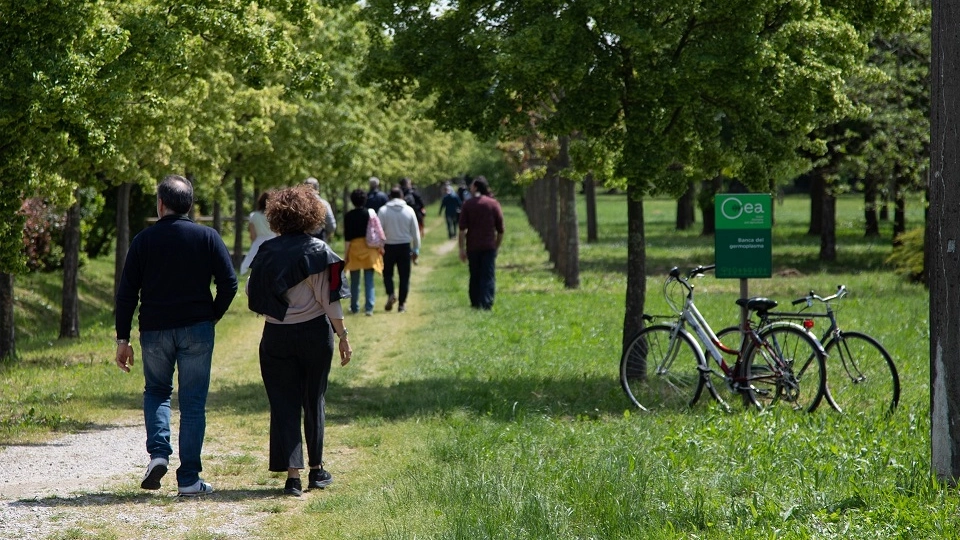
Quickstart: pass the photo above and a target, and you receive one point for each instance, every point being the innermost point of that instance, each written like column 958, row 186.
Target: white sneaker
column 155, row 471
column 200, row 488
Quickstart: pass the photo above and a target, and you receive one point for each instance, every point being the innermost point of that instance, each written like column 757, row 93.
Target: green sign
column 742, row 239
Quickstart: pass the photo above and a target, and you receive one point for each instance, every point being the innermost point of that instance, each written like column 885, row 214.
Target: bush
column 907, row 256
column 42, row 235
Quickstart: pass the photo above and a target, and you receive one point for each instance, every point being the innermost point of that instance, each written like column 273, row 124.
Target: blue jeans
column 452, row 222
column 189, row 350
column 368, row 287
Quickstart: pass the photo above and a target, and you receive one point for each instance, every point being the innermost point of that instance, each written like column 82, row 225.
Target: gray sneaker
column 155, row 471
column 200, row 488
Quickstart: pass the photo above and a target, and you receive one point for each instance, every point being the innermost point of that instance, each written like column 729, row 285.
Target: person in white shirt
column 259, row 230
column 402, row 233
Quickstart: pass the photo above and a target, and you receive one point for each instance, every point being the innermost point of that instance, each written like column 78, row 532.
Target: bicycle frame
column 705, row 334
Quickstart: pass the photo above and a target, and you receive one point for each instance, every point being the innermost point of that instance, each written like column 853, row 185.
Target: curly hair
column 295, row 209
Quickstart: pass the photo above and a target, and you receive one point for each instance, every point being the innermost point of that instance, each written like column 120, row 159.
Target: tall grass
column 461, row 424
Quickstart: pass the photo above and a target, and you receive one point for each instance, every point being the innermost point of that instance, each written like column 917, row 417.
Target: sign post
column 742, row 240
column 742, row 247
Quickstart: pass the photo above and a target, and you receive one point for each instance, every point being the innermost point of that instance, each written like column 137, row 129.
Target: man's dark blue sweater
column 168, row 269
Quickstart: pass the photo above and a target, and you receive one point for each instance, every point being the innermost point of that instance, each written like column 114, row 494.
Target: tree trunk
column 818, row 188
column 8, row 342
column 899, row 211
column 568, row 235
column 636, row 268
column 123, row 233
column 872, row 228
column 686, row 215
column 709, row 189
column 238, row 226
column 70, row 302
column 552, row 221
column 943, row 232
column 828, row 227
column 590, row 198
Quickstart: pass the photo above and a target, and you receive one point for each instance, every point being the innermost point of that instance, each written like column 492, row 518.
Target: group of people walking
column 297, row 282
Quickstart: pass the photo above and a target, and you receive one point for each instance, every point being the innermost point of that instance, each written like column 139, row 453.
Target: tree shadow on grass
column 501, row 399
column 106, row 498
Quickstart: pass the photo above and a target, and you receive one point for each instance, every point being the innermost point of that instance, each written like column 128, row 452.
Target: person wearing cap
column 329, row 225
column 375, row 197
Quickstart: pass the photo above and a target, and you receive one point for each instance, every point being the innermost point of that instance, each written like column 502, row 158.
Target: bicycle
column 765, row 370
column 861, row 373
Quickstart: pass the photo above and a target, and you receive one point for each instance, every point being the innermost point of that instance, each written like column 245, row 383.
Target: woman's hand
column 345, row 351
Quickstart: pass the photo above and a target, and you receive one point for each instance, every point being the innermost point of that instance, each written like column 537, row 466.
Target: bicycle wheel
column 661, row 368
column 786, row 365
column 723, row 385
column 861, row 375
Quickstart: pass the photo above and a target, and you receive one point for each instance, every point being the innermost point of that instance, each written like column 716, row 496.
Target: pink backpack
column 375, row 236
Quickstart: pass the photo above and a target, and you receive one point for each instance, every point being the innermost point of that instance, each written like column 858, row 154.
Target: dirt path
column 89, row 481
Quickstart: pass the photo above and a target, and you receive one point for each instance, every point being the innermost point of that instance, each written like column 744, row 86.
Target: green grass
column 453, row 423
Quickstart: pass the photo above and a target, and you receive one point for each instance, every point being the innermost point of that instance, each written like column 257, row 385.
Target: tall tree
column 52, row 52
column 943, row 230
column 679, row 90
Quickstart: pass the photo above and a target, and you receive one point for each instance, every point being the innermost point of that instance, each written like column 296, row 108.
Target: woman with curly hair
column 297, row 282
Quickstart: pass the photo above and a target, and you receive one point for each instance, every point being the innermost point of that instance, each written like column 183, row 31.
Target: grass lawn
column 453, row 423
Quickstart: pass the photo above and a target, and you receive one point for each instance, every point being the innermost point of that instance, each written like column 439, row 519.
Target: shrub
column 907, row 256
column 42, row 234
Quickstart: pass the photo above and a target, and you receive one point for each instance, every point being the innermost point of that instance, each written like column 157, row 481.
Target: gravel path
column 89, row 481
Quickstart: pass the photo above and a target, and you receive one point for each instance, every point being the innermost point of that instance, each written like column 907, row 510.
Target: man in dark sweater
column 169, row 268
column 481, row 232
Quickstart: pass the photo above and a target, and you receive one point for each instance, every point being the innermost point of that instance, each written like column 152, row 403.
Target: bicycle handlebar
column 841, row 292
column 700, row 269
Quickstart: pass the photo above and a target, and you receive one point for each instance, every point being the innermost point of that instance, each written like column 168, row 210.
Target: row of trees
column 652, row 97
column 658, row 95
column 100, row 99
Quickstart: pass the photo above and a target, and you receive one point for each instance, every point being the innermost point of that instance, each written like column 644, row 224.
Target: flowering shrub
column 42, row 235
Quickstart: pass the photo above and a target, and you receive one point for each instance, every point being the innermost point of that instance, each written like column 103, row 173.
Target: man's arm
column 462, row 240
column 225, row 279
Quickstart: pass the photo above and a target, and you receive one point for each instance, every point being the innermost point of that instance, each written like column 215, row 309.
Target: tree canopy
column 674, row 90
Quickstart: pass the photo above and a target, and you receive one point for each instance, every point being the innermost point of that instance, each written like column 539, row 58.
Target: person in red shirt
column 481, row 232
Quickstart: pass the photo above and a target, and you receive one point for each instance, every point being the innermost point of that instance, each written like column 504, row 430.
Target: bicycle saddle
column 757, row 303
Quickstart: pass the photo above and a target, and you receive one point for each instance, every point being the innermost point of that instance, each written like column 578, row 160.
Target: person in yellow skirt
column 358, row 255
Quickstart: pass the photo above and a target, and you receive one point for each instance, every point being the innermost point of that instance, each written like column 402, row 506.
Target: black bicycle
column 861, row 374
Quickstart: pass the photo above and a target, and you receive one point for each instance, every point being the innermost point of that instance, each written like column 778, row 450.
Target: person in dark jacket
column 297, row 282
column 413, row 199
column 375, row 197
column 450, row 207
column 168, row 269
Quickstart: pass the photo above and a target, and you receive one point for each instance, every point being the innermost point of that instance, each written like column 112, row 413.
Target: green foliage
column 908, row 255
column 675, row 91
